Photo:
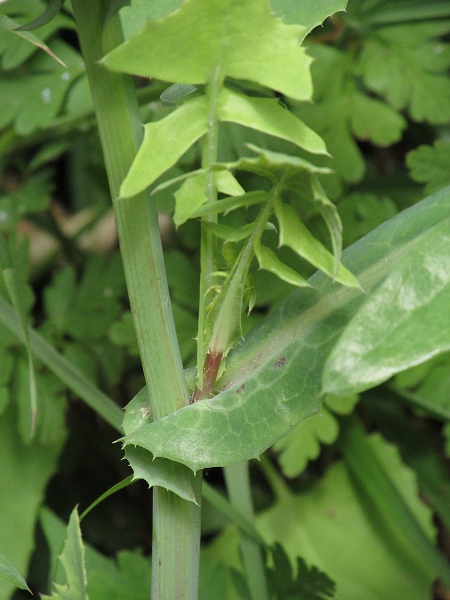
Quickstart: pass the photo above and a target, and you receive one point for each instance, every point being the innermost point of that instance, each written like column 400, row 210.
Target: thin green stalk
column 208, row 263
column 176, row 523
column 237, row 479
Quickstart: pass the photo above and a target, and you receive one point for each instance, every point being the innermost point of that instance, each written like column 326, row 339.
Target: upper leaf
column 308, row 14
column 229, row 39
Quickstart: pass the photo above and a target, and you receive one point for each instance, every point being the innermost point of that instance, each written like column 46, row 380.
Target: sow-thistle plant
column 232, row 66
column 242, row 43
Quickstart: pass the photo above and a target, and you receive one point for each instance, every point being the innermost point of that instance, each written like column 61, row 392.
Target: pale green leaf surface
column 269, row 261
column 404, row 321
column 230, row 234
column 165, row 141
column 333, row 526
column 296, row 235
column 189, row 197
column 11, row 574
column 431, row 165
column 226, row 183
column 172, row 476
column 267, row 115
column 218, row 34
column 229, row 204
column 26, row 470
column 72, row 559
column 133, row 16
column 273, row 377
column 308, row 14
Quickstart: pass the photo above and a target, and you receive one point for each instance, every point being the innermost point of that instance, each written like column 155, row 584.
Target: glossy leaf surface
column 273, row 377
column 403, row 322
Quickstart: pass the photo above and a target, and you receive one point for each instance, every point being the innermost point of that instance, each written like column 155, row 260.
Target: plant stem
column 239, row 491
column 176, row 523
column 208, row 263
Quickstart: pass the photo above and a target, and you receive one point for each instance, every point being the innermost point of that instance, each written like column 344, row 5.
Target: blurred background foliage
column 382, row 105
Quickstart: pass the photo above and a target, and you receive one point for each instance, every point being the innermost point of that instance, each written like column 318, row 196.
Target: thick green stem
column 175, row 556
column 239, row 491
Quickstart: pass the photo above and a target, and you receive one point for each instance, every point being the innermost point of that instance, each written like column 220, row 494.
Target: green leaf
column 273, row 377
column 11, row 574
column 189, row 197
column 267, row 115
column 18, row 291
column 32, row 102
column 165, row 141
column 371, row 474
column 431, row 165
column 334, row 526
column 229, row 31
column 308, row 14
column 341, row 111
column 268, row 260
column 14, row 27
column 25, row 473
column 168, row 474
column 402, row 323
column 309, row 583
column 229, row 204
column 302, row 444
column 296, row 235
column 109, row 578
column 72, row 559
column 18, row 46
column 226, row 183
column 408, row 65
column 51, row 10
column 175, row 92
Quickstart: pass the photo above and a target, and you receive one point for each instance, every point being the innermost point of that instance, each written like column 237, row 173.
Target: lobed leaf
column 269, row 261
column 165, row 141
column 431, row 165
column 408, row 65
column 230, row 30
column 296, row 235
column 170, row 475
column 267, row 115
column 273, row 377
column 308, row 14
